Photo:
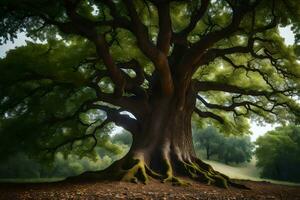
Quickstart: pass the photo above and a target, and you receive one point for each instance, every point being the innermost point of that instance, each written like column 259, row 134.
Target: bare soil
column 154, row 190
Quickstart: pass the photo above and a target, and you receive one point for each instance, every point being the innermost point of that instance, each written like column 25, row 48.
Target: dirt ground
column 154, row 190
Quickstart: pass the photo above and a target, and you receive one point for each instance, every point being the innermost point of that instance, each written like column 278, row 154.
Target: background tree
column 235, row 149
column 277, row 153
column 146, row 66
column 208, row 139
column 227, row 149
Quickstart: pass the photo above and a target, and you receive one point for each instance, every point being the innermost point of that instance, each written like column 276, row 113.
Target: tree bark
column 163, row 148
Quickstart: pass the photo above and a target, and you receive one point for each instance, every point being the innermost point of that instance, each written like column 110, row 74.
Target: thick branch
column 122, row 120
column 118, row 21
column 195, row 18
column 214, row 86
column 137, row 107
column 246, row 104
column 70, row 141
column 113, row 115
column 158, row 58
column 206, row 114
column 114, row 71
column 137, row 68
column 194, row 56
column 165, row 27
column 86, row 28
column 212, row 54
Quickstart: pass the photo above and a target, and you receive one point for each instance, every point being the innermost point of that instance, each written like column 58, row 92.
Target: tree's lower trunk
column 164, row 149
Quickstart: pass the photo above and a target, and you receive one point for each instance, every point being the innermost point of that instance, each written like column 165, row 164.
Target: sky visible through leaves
column 257, row 130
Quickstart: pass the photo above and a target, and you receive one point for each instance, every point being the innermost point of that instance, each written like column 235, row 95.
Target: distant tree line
column 228, row 149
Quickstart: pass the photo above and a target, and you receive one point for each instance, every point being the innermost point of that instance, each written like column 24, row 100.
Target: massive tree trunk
column 163, row 148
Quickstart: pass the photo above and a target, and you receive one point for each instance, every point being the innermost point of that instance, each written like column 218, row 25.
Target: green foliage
column 40, row 92
column 21, row 166
column 123, row 138
column 278, row 153
column 227, row 149
column 44, row 88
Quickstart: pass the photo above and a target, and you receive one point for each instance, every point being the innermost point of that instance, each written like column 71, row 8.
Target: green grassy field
column 246, row 171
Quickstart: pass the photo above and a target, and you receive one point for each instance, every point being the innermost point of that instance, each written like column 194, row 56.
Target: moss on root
column 207, row 175
column 140, row 172
column 137, row 173
column 135, row 170
column 170, row 176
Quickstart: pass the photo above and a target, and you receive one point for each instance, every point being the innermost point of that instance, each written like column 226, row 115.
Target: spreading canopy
column 104, row 60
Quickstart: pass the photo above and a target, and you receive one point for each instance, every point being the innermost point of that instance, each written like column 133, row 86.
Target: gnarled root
column 170, row 177
column 135, row 170
column 206, row 175
column 138, row 171
column 218, row 178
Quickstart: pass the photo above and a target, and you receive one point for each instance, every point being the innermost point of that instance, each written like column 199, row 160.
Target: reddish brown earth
column 154, row 190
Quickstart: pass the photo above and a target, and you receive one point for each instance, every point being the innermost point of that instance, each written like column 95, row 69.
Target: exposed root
column 197, row 173
column 171, row 178
column 135, row 170
column 152, row 173
column 207, row 175
column 220, row 180
column 176, row 181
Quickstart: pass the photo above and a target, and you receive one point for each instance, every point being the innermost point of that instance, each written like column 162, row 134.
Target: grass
column 246, row 171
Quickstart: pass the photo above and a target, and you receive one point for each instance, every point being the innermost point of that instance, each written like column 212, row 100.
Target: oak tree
column 148, row 66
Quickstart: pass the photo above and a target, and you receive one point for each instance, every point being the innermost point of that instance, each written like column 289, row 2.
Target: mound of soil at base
column 154, row 190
